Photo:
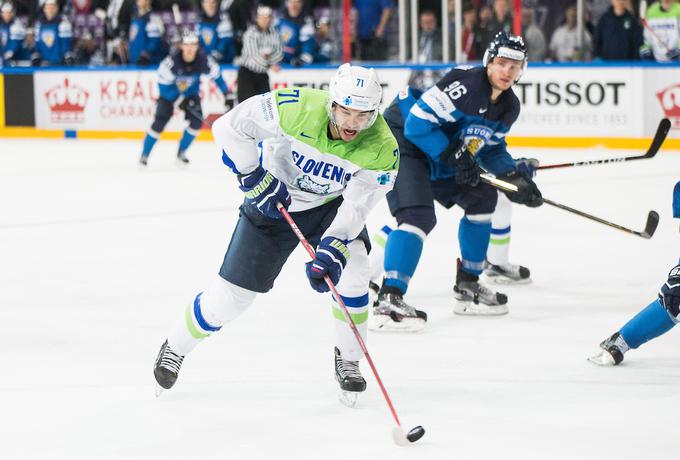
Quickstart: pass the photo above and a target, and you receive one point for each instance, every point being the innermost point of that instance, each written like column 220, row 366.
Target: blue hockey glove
column 669, row 294
column 527, row 191
column 527, row 166
column 264, row 191
column 459, row 158
column 331, row 257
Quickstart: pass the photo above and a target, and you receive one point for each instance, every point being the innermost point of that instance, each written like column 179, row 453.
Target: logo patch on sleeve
column 267, row 107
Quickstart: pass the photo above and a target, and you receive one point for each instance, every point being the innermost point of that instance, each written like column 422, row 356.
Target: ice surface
column 99, row 258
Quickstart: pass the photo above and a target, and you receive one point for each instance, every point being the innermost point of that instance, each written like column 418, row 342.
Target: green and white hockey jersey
column 666, row 30
column 292, row 124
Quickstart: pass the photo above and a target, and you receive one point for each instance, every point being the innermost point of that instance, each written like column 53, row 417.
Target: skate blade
column 504, row 280
column 602, row 359
column 159, row 390
column 385, row 323
column 469, row 308
column 349, row 398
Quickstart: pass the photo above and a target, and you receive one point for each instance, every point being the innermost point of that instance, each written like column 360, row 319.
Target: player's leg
column 474, row 232
column 411, row 203
column 353, row 290
column 194, row 115
column 258, row 249
column 164, row 109
column 654, row 320
column 376, row 258
column 498, row 267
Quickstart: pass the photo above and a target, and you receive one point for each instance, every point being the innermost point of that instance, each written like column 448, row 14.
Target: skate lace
column 348, row 369
column 171, row 360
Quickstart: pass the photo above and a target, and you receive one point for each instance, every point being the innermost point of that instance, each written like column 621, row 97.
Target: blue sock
column 402, row 253
column 473, row 237
column 187, row 138
column 650, row 323
column 149, row 141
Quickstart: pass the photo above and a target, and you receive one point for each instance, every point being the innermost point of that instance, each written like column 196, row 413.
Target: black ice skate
column 507, row 273
column 182, row 157
column 391, row 313
column 349, row 377
column 475, row 299
column 167, row 368
column 143, row 159
column 612, row 351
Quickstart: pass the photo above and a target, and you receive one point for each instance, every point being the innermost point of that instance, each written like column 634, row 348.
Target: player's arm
column 166, row 80
column 423, row 124
column 366, row 188
column 238, row 132
column 215, row 74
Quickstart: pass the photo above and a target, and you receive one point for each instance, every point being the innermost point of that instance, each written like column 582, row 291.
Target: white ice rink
column 99, row 258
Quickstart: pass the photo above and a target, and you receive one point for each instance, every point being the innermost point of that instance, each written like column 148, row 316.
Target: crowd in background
column 142, row 32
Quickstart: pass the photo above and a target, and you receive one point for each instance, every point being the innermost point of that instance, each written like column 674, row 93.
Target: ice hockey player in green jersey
column 662, row 31
column 328, row 157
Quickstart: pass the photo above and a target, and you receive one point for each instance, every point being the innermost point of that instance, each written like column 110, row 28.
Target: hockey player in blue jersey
column 297, row 34
column 145, row 41
column 180, row 75
column 12, row 35
column 216, row 33
column 53, row 37
column 444, row 137
column 655, row 319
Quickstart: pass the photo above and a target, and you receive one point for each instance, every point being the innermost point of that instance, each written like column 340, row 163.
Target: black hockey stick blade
column 659, row 137
column 650, row 227
column 657, row 142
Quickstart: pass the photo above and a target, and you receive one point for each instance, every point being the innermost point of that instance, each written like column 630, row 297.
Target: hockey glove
column 264, row 191
column 527, row 166
column 527, row 192
column 669, row 294
column 467, row 170
column 331, row 257
column 673, row 55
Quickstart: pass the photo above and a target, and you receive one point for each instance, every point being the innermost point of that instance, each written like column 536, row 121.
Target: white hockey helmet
column 355, row 87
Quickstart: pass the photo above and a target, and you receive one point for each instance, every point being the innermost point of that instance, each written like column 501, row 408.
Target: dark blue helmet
column 508, row 46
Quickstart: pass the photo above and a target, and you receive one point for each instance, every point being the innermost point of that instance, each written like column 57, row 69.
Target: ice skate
column 182, row 157
column 612, row 351
column 507, row 273
column 167, row 368
column 143, row 159
column 475, row 299
column 349, row 377
column 391, row 313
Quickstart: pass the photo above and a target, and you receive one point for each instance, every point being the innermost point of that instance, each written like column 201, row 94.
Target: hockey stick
column 398, row 434
column 659, row 137
column 650, row 226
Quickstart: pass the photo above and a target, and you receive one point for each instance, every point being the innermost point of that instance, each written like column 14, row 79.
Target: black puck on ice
column 415, row 434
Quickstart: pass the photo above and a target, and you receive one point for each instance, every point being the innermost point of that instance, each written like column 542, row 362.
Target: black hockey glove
column 669, row 294
column 527, row 192
column 144, row 59
column 460, row 159
column 228, row 103
column 264, row 191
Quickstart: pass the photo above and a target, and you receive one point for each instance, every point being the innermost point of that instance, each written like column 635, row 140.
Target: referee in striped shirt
column 262, row 49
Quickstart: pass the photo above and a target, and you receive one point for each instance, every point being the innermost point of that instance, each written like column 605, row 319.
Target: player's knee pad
column 502, row 215
column 164, row 109
column 223, row 301
column 421, row 217
column 669, row 294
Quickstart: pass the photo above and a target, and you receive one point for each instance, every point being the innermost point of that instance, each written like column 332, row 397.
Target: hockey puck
column 415, row 434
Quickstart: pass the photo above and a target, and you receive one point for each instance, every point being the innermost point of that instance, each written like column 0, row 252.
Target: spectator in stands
column 373, row 16
column 146, row 45
column 325, row 45
column 468, row 40
column 12, row 35
column 564, row 44
column 262, row 50
column 118, row 19
column 430, row 38
column 216, row 33
column 29, row 9
column 537, row 48
column 618, row 35
column 661, row 36
column 53, row 37
column 500, row 20
column 297, row 34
